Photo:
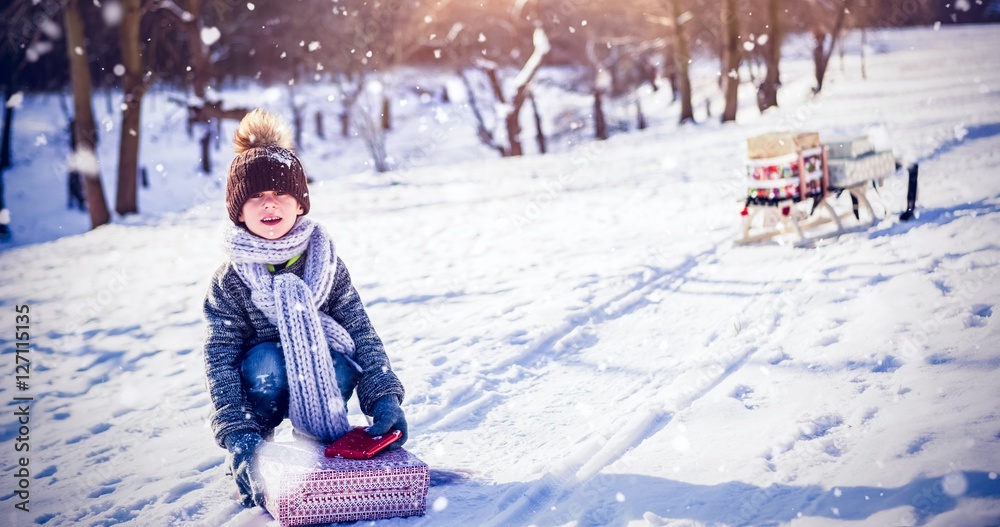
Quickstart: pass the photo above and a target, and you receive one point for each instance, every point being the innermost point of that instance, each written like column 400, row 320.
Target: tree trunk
column 539, row 133
column 199, row 51
column 75, row 183
column 823, row 57
column 8, row 123
column 386, row 116
column 600, row 124
column 840, row 53
column 345, row 124
column 298, row 119
column 319, row 125
column 206, row 143
column 514, row 132
column 864, row 44
column 819, row 43
column 522, row 81
column 8, row 120
column 767, row 92
column 86, row 131
column 730, row 59
column 682, row 58
column 134, row 88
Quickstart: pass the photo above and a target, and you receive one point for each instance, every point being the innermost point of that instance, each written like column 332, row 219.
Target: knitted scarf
column 315, row 406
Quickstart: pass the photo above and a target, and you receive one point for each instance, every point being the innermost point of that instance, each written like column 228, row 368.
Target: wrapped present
column 780, row 178
column 778, row 144
column 849, row 148
column 304, row 487
column 846, row 173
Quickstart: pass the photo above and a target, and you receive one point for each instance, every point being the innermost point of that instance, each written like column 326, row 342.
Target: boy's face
column 270, row 214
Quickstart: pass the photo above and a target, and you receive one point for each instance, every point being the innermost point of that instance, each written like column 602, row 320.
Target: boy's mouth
column 270, row 220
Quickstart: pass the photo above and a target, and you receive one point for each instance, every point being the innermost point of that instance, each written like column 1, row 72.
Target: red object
column 745, row 211
column 785, row 211
column 358, row 444
column 304, row 487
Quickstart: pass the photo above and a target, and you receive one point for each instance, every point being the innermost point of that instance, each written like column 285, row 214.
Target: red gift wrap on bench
column 304, row 487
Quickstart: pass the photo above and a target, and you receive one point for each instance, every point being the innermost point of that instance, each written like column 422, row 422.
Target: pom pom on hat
column 264, row 161
column 261, row 128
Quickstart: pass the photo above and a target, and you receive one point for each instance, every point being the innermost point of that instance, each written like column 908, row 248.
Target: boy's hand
column 243, row 445
column 386, row 415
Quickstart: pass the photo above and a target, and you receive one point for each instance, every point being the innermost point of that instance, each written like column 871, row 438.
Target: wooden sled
column 800, row 220
column 769, row 214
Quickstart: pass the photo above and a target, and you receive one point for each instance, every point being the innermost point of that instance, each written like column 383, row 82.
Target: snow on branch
column 542, row 48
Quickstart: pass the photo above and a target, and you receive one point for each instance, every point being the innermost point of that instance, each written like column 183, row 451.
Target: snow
column 577, row 333
column 210, row 35
column 15, row 100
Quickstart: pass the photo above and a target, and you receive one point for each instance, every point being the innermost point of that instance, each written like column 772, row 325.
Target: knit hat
column 264, row 161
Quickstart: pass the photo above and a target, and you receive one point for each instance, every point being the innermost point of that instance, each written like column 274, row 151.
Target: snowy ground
column 578, row 333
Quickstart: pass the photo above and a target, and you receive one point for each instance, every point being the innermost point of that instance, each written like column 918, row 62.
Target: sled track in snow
column 479, row 395
column 561, row 495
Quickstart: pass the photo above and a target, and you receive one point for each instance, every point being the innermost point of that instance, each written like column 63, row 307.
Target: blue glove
column 386, row 415
column 243, row 445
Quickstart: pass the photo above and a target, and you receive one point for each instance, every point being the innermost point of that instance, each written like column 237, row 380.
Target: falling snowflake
column 84, row 160
column 112, row 12
column 210, row 35
column 16, row 100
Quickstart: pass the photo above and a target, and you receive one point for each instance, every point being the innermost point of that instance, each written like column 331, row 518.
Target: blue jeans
column 266, row 383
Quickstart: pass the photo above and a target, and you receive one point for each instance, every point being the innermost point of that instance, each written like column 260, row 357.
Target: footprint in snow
column 978, row 317
column 210, row 463
column 828, row 340
column 97, row 429
column 917, row 445
column 820, row 426
column 101, row 492
column 179, row 491
column 743, row 394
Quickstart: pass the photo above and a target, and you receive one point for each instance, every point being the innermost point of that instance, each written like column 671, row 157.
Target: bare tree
column 509, row 110
column 202, row 109
column 8, row 121
column 675, row 19
column 85, row 156
column 134, row 88
column 730, row 59
column 351, row 85
column 369, row 127
column 822, row 52
column 602, row 82
column 767, row 91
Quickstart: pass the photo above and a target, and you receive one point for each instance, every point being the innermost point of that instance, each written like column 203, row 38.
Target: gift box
column 304, row 487
column 778, row 144
column 846, row 173
column 849, row 148
column 780, row 178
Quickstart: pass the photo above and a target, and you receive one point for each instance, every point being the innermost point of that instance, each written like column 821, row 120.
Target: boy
column 283, row 309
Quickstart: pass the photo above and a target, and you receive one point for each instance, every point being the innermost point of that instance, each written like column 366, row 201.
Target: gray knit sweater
column 235, row 325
